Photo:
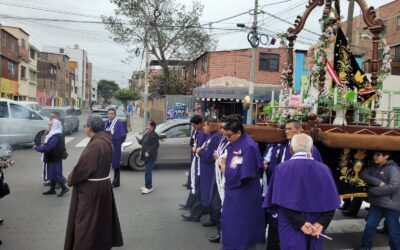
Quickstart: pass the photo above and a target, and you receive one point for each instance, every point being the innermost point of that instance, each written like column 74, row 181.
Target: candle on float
column 280, row 98
column 301, row 96
column 335, row 93
column 373, row 104
column 290, row 97
column 355, row 97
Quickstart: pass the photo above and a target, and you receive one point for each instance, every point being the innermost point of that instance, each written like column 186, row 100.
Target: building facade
column 55, row 80
column 23, row 67
column 32, row 87
column 9, row 72
column 80, row 56
column 390, row 14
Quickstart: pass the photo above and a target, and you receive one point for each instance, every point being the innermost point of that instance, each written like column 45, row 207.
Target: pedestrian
column 196, row 209
column 304, row 194
column 275, row 154
column 383, row 179
column 242, row 223
column 53, row 151
column 148, row 154
column 93, row 218
column 217, row 195
column 118, row 132
column 196, row 139
column 207, row 165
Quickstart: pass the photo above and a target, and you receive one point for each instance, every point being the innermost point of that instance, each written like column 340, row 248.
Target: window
column 269, row 62
column 61, row 50
column 32, row 76
column 385, row 24
column 13, row 47
column 195, row 69
column 397, row 52
column 3, row 39
column 23, row 43
column 398, row 23
column 32, row 54
column 180, row 131
column 23, row 72
column 19, row 112
column 204, row 65
column 11, row 69
column 3, row 110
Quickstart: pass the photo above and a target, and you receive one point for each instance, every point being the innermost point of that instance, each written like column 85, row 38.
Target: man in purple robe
column 197, row 125
column 242, row 219
column 207, row 163
column 118, row 132
column 275, row 154
column 304, row 194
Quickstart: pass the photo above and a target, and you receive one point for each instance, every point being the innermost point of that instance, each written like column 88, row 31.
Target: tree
column 126, row 95
column 177, row 85
column 173, row 32
column 106, row 89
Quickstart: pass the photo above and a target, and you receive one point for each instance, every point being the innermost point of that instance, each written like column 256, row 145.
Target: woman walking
column 53, row 150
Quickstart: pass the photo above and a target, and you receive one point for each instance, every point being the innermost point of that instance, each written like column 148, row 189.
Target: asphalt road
column 149, row 222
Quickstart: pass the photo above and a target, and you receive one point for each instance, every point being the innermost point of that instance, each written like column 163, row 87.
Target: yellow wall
column 8, row 86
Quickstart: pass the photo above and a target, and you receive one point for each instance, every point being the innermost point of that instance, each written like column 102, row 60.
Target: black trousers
column 215, row 209
column 353, row 205
column 198, row 209
column 191, row 199
column 273, row 238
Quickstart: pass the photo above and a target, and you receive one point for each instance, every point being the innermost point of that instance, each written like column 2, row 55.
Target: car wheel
column 135, row 163
column 39, row 138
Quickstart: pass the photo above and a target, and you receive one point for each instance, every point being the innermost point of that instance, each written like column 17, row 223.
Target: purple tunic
column 242, row 219
column 304, row 185
column 207, row 167
column 51, row 170
column 119, row 133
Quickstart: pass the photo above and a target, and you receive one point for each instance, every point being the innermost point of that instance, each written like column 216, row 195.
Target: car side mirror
column 162, row 136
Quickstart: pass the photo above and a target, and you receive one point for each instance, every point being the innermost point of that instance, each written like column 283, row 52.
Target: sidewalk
column 136, row 123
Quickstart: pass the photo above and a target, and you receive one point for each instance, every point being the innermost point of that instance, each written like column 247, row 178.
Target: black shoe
column 190, row 218
column 344, row 208
column 61, row 194
column 214, row 238
column 382, row 231
column 209, row 224
column 349, row 214
column 184, row 207
column 50, row 192
column 1, row 221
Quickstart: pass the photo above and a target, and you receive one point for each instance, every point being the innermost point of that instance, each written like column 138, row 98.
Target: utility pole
column 146, row 79
column 252, row 68
column 350, row 14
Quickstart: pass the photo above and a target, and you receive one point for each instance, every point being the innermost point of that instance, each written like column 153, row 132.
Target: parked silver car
column 174, row 145
column 19, row 124
column 102, row 113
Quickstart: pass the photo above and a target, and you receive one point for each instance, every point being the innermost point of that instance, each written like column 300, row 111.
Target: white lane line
column 83, row 143
column 68, row 139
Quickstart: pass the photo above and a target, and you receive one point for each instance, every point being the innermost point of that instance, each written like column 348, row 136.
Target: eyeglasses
column 228, row 135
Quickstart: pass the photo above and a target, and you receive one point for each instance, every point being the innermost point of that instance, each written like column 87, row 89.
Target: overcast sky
column 107, row 56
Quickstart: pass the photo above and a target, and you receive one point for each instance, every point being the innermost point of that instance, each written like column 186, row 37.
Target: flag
column 348, row 71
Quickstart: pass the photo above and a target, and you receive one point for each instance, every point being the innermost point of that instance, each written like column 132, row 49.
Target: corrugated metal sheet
column 161, row 105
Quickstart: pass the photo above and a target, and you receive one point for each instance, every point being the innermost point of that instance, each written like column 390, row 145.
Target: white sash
column 99, row 179
column 111, row 128
column 219, row 176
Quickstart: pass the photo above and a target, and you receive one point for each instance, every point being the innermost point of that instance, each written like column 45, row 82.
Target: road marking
column 68, row 139
column 83, row 143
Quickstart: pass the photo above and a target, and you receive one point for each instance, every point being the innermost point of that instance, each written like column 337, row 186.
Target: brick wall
column 235, row 63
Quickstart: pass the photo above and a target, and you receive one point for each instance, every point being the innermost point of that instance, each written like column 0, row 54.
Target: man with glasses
column 242, row 218
column 383, row 179
column 118, row 132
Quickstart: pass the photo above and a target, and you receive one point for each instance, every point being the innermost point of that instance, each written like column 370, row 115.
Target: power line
column 47, row 9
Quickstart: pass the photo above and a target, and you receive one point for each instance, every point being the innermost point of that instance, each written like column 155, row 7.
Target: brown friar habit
column 93, row 219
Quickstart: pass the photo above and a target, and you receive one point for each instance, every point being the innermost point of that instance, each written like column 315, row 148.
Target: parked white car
column 19, row 124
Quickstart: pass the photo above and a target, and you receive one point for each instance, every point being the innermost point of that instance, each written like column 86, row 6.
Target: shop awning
column 235, row 88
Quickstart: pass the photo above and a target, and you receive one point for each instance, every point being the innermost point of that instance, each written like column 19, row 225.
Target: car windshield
column 159, row 128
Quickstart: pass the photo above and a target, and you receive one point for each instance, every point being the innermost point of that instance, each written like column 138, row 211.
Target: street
column 148, row 222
